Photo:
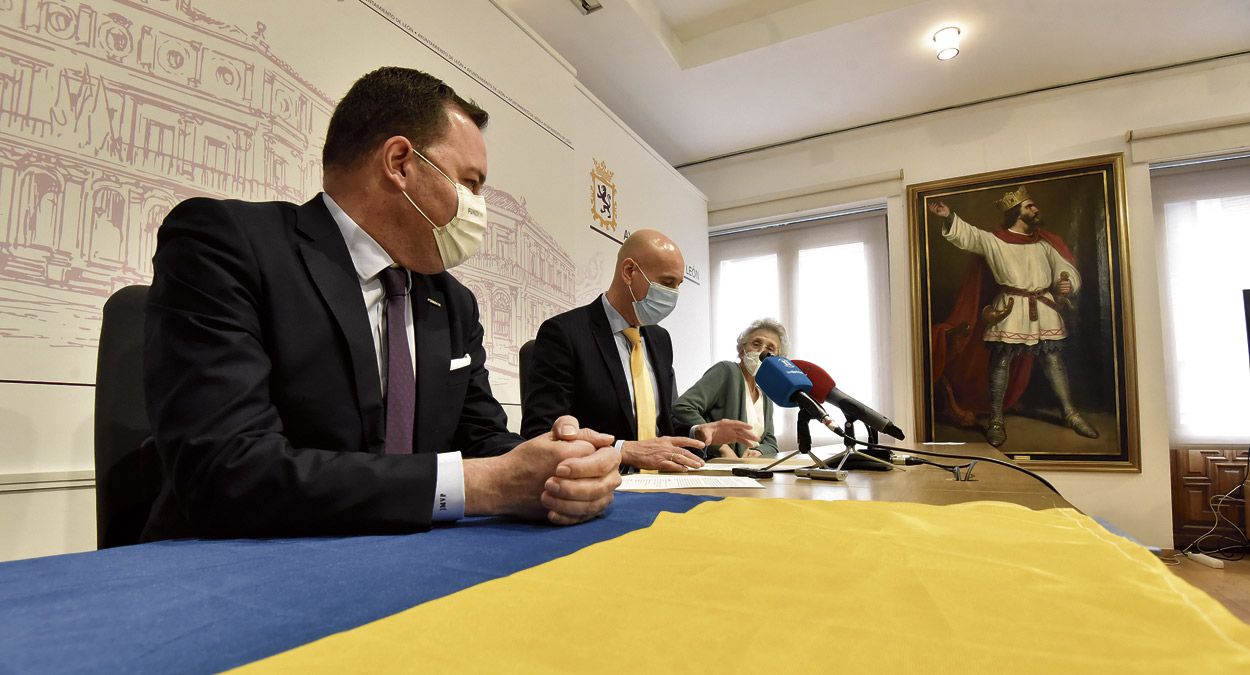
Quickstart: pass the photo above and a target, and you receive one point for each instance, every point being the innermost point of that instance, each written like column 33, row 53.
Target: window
column 215, row 167
column 826, row 280
column 746, row 290
column 1203, row 213
column 158, row 144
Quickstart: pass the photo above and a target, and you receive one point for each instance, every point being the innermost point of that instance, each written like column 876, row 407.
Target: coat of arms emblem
column 603, row 197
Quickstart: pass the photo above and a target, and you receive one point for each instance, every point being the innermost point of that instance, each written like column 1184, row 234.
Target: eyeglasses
column 762, row 345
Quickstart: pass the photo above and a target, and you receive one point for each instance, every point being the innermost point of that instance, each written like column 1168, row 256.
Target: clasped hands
column 566, row 477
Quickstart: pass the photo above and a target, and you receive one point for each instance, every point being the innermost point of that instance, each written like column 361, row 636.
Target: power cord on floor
column 1227, row 547
column 1170, row 559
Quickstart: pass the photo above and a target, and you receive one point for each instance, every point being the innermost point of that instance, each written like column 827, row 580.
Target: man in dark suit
column 611, row 366
column 279, row 371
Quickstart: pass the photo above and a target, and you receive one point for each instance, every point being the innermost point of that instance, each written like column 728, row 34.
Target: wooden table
column 919, row 484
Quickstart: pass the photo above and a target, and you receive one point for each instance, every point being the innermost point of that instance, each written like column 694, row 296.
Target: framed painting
column 1023, row 324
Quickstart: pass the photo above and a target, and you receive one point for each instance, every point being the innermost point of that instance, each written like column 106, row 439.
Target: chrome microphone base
column 822, row 474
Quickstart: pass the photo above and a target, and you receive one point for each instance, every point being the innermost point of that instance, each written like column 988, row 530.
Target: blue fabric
column 204, row 606
column 1115, row 530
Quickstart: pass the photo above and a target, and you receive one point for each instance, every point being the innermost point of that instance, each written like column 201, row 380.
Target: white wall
column 1057, row 125
column 46, row 521
column 115, row 120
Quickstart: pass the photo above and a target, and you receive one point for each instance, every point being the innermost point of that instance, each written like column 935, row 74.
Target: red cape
column 960, row 375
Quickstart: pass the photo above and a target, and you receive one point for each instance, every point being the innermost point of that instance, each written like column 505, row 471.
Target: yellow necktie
column 644, row 398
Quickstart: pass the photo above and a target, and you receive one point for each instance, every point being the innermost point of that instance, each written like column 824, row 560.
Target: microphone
column 824, row 389
column 822, row 382
column 785, row 384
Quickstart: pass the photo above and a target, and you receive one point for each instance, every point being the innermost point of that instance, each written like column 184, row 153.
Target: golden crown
column 1011, row 199
column 601, row 170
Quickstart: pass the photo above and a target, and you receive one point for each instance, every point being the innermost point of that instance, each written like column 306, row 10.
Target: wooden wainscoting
column 1198, row 473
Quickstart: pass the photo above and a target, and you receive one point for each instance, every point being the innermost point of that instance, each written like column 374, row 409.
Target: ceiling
column 699, row 79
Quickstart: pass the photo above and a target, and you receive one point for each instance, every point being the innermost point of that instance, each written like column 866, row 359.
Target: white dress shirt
column 618, row 324
column 370, row 259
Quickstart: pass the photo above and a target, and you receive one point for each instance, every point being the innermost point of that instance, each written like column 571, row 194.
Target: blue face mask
column 658, row 304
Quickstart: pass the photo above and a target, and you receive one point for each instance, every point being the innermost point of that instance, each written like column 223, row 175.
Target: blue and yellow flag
column 772, row 585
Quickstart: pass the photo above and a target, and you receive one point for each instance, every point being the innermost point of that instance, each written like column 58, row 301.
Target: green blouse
column 721, row 394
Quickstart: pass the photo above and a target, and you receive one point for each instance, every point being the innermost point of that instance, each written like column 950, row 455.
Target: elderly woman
column 727, row 391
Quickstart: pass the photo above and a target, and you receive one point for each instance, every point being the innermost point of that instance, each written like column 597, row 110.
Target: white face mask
column 751, row 361
column 461, row 238
column 658, row 303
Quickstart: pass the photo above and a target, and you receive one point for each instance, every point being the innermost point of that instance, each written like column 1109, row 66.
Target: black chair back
column 525, row 360
column 127, row 475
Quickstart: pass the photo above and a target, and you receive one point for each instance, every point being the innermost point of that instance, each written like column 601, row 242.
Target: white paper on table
column 660, row 481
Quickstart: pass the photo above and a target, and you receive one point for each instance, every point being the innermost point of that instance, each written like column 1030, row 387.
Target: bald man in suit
column 610, row 365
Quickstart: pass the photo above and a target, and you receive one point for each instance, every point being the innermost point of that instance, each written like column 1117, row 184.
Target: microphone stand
column 849, row 443
column 823, row 472
column 805, row 447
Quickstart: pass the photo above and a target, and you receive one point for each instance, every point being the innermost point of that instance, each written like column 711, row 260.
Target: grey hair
column 769, row 325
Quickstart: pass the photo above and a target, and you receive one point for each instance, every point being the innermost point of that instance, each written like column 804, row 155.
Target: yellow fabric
column 770, row 585
column 644, row 398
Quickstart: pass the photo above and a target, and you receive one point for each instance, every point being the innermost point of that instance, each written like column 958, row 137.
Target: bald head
column 646, row 256
column 646, row 245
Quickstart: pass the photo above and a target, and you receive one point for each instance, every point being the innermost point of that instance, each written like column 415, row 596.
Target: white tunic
column 1034, row 267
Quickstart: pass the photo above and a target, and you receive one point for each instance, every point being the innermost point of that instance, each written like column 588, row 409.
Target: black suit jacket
column 262, row 384
column 577, row 371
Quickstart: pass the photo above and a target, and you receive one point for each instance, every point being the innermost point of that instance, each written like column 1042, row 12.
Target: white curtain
column 827, row 281
column 1203, row 212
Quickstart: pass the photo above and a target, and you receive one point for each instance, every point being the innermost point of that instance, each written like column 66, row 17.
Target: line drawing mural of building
column 521, row 277
column 110, row 114
column 113, row 112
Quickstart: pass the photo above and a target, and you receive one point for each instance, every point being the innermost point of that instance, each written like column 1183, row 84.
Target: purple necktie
column 401, row 386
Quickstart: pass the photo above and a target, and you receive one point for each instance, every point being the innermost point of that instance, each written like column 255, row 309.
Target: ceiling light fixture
column 946, row 41
column 587, row 6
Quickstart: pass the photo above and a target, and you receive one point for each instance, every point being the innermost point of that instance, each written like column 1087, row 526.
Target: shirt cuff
column 449, row 487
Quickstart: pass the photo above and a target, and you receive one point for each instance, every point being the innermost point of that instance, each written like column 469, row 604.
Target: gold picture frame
column 1022, row 314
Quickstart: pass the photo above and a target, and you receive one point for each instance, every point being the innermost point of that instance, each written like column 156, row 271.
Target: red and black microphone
column 824, row 390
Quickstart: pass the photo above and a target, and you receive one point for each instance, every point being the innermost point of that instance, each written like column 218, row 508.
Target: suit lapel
column 432, row 332
column 330, row 267
column 606, row 341
column 660, row 359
